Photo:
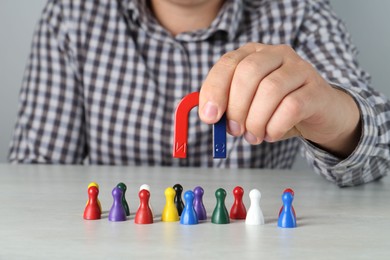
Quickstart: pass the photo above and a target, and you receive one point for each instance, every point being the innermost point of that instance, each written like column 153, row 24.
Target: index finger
column 214, row 93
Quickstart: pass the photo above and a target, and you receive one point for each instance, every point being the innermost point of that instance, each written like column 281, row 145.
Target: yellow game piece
column 98, row 201
column 170, row 213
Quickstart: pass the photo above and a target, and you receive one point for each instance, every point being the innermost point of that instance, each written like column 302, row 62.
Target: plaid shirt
column 103, row 80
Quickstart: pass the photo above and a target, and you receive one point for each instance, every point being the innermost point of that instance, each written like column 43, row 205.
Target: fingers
column 292, row 110
column 270, row 93
column 248, row 75
column 264, row 90
column 214, row 93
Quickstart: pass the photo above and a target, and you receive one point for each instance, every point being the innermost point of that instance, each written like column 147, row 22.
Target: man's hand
column 269, row 93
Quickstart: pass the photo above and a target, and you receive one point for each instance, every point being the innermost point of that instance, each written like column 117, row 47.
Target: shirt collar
column 228, row 20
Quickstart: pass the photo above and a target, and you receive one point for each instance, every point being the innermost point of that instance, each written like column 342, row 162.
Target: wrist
column 347, row 139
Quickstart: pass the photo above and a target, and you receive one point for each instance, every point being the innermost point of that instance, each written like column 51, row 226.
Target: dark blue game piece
column 117, row 211
column 219, row 140
column 198, row 203
column 287, row 218
column 188, row 216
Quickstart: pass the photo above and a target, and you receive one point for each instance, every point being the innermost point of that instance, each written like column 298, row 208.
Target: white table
column 42, row 208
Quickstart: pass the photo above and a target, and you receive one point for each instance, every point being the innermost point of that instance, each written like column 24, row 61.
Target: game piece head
column 117, row 192
column 144, row 195
column 198, row 191
column 238, row 191
column 287, row 198
column 289, row 190
column 93, row 191
column 189, row 195
column 220, row 193
column 145, row 187
column 122, row 186
column 255, row 194
column 178, row 188
column 169, row 192
column 93, row 184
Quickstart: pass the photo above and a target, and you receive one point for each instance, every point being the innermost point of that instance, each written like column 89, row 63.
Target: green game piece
column 123, row 187
column 220, row 213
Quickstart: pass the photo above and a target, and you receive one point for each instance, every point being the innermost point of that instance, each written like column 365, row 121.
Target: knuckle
column 284, row 48
column 236, row 110
column 293, row 106
column 229, row 60
column 254, row 125
column 271, row 86
column 249, row 65
column 252, row 45
column 275, row 131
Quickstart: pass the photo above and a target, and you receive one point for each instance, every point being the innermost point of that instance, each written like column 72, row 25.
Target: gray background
column 368, row 22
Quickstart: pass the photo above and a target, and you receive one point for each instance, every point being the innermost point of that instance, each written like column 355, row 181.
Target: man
column 104, row 78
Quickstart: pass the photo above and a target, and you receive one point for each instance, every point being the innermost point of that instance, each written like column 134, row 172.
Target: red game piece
column 92, row 210
column 181, row 124
column 292, row 193
column 238, row 210
column 144, row 214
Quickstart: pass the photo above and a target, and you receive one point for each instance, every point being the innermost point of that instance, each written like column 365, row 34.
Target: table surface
column 42, row 208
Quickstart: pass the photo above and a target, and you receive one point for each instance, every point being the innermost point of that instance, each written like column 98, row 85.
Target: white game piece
column 147, row 187
column 254, row 215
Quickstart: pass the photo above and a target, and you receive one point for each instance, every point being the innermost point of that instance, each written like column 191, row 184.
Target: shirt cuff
column 363, row 150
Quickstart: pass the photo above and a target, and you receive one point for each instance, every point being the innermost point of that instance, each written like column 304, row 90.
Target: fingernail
column 250, row 138
column 210, row 111
column 234, row 127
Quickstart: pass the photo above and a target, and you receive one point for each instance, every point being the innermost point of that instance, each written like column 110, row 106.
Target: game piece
column 238, row 210
column 220, row 213
column 219, row 138
column 147, row 187
column 198, row 204
column 144, row 214
column 117, row 211
column 188, row 216
column 254, row 215
column 292, row 193
column 169, row 213
column 92, row 210
column 287, row 218
column 181, row 124
column 123, row 187
column 98, row 201
column 178, row 200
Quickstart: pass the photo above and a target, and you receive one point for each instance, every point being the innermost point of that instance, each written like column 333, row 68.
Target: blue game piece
column 219, row 140
column 198, row 203
column 287, row 218
column 188, row 216
column 117, row 211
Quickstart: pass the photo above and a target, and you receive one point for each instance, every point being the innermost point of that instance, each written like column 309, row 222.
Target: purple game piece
column 117, row 211
column 198, row 204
